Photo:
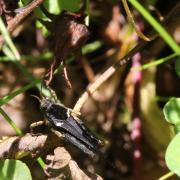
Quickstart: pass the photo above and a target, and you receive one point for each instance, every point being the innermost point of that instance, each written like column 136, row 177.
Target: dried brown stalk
column 111, row 70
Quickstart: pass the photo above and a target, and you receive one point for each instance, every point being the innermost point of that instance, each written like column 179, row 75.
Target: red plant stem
column 136, row 122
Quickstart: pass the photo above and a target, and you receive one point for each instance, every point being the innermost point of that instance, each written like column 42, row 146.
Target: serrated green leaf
column 14, row 170
column 177, row 66
column 172, row 155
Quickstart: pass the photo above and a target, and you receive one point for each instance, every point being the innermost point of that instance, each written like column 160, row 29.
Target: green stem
column 45, row 56
column 8, row 39
column 155, row 63
column 166, row 176
column 161, row 30
column 10, row 121
column 10, row 96
column 41, row 162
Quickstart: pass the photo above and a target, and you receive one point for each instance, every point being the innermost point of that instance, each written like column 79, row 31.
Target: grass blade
column 155, row 63
column 10, row 96
column 157, row 26
column 8, row 39
column 11, row 122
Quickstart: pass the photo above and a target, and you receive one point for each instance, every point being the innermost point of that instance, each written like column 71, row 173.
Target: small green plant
column 172, row 115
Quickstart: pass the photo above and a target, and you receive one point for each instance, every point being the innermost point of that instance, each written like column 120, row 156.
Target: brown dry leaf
column 61, row 166
column 69, row 34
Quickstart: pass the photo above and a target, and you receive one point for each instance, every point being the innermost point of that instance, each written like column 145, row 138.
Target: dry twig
column 111, row 70
column 13, row 24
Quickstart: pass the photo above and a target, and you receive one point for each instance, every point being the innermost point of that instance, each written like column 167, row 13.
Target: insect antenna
column 36, row 98
column 41, row 89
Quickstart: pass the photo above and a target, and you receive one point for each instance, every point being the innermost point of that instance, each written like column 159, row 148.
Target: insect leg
column 57, row 133
column 34, row 127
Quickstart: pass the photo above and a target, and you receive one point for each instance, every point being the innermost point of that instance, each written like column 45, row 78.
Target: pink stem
column 136, row 122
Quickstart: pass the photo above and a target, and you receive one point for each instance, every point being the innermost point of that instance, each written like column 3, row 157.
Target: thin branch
column 105, row 76
column 13, row 24
column 23, row 14
column 131, row 20
column 111, row 70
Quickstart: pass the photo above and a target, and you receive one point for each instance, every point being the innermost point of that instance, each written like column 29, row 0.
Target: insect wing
column 87, row 132
column 70, row 126
column 75, row 142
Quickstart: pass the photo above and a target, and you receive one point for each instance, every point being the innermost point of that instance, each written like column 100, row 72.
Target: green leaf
column 172, row 112
column 172, row 155
column 53, row 7
column 25, row 2
column 7, row 51
column 70, row 5
column 43, row 28
column 13, row 170
column 88, row 48
column 177, row 66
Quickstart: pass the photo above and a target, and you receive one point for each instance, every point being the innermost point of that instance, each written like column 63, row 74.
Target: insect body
column 74, row 131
